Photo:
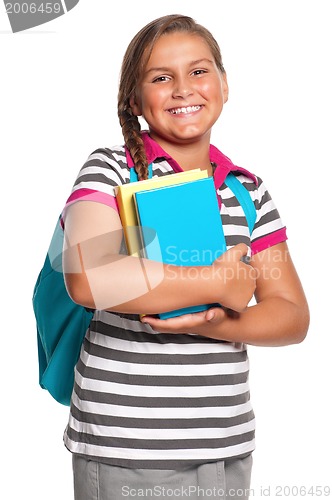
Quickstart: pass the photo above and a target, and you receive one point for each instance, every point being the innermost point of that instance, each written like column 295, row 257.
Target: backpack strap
column 243, row 196
column 134, row 176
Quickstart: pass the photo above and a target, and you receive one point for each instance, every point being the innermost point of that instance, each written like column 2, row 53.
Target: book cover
column 126, row 203
column 181, row 225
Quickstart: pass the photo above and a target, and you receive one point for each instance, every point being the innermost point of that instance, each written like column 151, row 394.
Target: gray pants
column 220, row 481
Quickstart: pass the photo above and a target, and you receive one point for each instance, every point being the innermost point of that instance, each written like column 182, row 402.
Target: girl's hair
column 134, row 61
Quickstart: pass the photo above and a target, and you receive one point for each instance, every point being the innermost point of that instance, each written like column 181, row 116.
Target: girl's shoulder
column 105, row 165
column 110, row 157
column 97, row 180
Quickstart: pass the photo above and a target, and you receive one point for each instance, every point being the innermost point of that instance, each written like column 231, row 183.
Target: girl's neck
column 190, row 156
column 188, row 160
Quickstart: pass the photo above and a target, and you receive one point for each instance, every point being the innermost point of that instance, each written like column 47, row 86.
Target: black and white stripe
column 148, row 400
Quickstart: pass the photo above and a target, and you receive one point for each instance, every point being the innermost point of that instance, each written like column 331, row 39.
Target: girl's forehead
column 179, row 42
column 178, row 38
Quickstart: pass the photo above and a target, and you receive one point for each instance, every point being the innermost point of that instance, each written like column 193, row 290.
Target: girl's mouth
column 184, row 110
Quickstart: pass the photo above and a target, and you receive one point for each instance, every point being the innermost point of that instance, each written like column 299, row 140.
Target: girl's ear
column 225, row 87
column 134, row 105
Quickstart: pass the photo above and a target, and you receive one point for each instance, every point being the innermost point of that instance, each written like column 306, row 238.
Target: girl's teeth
column 189, row 109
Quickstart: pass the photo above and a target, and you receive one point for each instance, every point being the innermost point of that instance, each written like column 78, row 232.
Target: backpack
column 62, row 324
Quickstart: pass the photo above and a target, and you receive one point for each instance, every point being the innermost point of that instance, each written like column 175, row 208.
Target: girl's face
column 182, row 92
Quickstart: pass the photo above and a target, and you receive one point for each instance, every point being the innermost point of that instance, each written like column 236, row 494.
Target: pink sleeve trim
column 269, row 240
column 91, row 195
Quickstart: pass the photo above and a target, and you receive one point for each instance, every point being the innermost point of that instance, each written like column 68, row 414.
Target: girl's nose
column 182, row 89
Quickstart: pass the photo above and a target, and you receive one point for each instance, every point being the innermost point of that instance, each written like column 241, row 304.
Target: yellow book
column 126, row 202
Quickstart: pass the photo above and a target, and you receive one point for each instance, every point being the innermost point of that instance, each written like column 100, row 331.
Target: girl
column 162, row 407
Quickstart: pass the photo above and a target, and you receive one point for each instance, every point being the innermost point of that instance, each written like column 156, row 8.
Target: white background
column 58, row 91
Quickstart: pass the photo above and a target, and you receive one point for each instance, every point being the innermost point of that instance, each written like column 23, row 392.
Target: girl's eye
column 161, row 79
column 199, row 72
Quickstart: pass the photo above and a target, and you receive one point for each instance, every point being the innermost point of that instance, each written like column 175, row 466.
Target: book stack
column 178, row 219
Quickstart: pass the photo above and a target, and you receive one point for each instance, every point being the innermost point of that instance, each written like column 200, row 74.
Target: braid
column 131, row 130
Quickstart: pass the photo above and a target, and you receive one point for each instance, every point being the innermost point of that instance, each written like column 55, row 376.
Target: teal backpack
column 62, row 324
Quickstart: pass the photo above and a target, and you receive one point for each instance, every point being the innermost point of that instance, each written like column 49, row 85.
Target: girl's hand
column 188, row 323
column 233, row 280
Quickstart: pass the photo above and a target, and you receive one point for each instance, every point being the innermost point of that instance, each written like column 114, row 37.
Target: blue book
column 181, row 225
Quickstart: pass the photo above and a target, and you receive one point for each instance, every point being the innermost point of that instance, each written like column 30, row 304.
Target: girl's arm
column 98, row 277
column 280, row 317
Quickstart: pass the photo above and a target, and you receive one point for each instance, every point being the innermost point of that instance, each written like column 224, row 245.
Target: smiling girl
column 164, row 405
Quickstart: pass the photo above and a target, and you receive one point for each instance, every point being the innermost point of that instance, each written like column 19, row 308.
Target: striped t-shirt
column 144, row 399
